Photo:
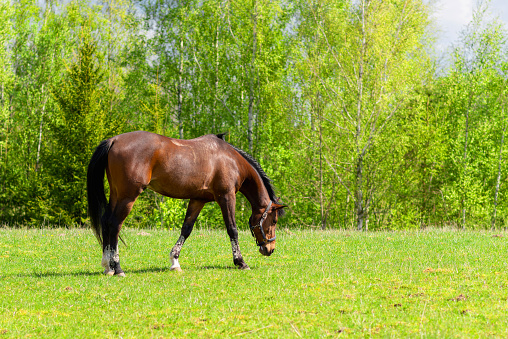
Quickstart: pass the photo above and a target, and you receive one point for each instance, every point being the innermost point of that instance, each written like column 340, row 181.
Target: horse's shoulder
column 211, row 139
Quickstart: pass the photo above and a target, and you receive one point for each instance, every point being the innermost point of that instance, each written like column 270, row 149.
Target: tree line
column 343, row 103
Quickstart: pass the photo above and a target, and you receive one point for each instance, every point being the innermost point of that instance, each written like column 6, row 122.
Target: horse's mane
column 267, row 182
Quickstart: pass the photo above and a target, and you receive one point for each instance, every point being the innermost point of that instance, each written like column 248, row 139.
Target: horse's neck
column 255, row 192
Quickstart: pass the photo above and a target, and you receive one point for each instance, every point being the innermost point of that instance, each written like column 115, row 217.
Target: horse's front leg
column 195, row 206
column 227, row 205
column 237, row 254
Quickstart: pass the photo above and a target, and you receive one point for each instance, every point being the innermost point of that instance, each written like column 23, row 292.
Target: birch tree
column 371, row 61
column 477, row 85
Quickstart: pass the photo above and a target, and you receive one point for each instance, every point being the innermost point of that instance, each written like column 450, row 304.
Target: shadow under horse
column 202, row 170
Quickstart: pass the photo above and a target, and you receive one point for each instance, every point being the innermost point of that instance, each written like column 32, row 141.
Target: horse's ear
column 222, row 136
column 279, row 208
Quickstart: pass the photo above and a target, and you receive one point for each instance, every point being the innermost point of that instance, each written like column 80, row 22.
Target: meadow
column 437, row 283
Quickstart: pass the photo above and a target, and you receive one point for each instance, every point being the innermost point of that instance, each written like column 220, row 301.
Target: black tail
column 97, row 202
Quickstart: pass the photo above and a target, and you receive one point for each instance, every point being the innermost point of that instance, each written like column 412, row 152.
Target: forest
column 347, row 105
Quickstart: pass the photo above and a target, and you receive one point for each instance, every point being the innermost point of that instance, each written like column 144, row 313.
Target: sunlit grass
column 316, row 284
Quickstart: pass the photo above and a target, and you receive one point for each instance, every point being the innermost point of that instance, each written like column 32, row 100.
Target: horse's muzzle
column 265, row 251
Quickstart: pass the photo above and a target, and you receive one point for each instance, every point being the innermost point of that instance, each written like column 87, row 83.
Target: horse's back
column 194, row 168
column 139, row 145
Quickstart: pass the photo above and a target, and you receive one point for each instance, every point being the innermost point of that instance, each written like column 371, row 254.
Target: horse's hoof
column 109, row 272
column 244, row 268
column 176, row 269
column 118, row 271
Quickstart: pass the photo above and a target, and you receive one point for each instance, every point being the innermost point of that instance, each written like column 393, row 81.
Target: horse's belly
column 181, row 188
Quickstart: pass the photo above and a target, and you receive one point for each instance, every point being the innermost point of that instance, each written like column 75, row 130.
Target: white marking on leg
column 175, row 253
column 237, row 255
column 175, row 265
column 108, row 255
column 235, row 249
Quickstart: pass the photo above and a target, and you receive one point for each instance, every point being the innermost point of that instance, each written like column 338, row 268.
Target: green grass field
column 317, row 284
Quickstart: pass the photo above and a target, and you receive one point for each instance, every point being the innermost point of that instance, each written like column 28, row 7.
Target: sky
column 453, row 15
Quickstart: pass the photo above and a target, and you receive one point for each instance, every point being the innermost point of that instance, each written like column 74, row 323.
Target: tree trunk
column 320, row 131
column 465, row 165
column 498, row 181
column 216, row 78
column 40, row 130
column 359, row 208
column 250, row 125
column 360, row 215
column 179, row 92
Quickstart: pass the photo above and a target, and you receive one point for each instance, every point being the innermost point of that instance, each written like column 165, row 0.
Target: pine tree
column 81, row 123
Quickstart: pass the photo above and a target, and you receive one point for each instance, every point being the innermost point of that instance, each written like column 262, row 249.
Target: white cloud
column 452, row 16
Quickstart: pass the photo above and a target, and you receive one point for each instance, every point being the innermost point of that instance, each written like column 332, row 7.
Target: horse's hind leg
column 113, row 220
column 195, row 206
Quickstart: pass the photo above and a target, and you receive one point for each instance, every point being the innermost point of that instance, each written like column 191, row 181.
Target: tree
column 476, row 86
column 368, row 56
column 6, row 76
column 80, row 124
column 36, row 48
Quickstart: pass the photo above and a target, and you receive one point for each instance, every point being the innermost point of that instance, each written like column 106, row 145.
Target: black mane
column 266, row 180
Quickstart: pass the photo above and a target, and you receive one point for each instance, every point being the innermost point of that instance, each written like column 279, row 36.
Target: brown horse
column 202, row 170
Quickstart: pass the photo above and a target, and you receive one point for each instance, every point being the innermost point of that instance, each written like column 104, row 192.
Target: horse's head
column 264, row 229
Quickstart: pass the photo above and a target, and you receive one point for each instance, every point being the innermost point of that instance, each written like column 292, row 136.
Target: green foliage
column 167, row 214
column 339, row 101
column 36, row 52
column 6, row 77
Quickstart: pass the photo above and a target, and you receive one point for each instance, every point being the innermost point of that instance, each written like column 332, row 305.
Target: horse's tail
column 97, row 203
